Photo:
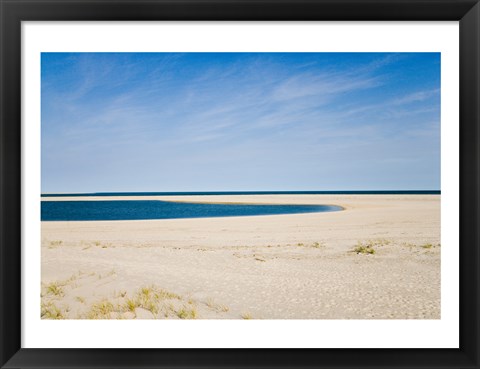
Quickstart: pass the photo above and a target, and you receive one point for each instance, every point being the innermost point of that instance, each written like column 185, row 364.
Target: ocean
column 153, row 209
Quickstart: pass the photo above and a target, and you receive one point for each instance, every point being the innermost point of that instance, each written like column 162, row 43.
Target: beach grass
column 55, row 289
column 187, row 313
column 51, row 311
column 427, row 246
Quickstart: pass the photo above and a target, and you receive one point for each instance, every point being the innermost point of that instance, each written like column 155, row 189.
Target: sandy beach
column 379, row 258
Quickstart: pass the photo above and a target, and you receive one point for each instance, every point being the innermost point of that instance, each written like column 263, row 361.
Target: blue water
column 154, row 209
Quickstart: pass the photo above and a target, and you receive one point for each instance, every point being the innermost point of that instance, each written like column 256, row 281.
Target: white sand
column 298, row 266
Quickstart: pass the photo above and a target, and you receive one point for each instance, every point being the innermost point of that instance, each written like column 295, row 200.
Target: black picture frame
column 13, row 12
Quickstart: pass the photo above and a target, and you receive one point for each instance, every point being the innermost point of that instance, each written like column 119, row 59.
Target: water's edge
column 106, row 210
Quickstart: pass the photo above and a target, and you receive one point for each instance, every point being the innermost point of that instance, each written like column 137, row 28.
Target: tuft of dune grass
column 368, row 247
column 51, row 311
column 187, row 313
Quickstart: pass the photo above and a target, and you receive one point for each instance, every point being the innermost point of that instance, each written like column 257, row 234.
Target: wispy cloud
column 416, row 97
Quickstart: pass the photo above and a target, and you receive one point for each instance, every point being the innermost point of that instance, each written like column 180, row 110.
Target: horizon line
column 239, row 192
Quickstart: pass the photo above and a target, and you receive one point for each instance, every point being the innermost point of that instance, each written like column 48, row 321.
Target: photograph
column 240, row 185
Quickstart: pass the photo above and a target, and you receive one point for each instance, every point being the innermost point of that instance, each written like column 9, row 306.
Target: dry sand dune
column 301, row 266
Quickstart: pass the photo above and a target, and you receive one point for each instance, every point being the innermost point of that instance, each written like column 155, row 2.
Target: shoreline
column 120, row 198
column 340, row 200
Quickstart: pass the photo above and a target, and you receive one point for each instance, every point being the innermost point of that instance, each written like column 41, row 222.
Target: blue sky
column 240, row 121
